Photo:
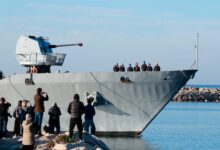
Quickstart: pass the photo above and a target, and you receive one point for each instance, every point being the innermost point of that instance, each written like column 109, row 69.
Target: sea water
column 185, row 125
column 179, row 126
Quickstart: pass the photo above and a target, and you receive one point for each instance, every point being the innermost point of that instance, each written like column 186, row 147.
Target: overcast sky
column 123, row 31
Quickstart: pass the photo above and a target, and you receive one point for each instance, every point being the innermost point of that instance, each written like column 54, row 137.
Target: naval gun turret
column 37, row 52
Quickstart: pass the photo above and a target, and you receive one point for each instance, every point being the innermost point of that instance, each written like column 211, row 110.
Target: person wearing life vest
column 116, row 68
column 144, row 67
column 136, row 67
column 130, row 68
column 157, row 67
column 33, row 69
column 122, row 68
column 149, row 67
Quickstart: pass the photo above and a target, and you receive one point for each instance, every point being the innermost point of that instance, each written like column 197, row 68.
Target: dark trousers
column 78, row 122
column 2, row 126
column 17, row 127
column 27, row 147
column 38, row 117
column 54, row 123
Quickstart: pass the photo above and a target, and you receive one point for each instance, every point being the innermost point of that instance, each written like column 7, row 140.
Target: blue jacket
column 89, row 112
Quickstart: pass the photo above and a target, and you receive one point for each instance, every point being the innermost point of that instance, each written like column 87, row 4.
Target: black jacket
column 4, row 109
column 54, row 113
column 76, row 109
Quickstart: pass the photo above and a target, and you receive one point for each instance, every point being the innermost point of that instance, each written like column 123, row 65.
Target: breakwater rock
column 63, row 142
column 192, row 94
column 56, row 142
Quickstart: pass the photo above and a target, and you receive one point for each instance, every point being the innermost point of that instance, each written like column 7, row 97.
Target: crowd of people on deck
column 28, row 118
column 136, row 68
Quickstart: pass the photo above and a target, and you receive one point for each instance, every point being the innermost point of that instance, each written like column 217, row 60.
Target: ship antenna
column 195, row 64
column 197, row 51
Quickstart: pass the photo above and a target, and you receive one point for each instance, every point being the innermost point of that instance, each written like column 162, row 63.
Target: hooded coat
column 28, row 133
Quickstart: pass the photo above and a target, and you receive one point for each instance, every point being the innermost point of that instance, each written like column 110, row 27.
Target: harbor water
column 180, row 125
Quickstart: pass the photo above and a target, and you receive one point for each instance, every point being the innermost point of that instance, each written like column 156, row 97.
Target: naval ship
column 125, row 102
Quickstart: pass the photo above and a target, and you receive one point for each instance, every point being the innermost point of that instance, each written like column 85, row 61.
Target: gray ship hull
column 125, row 103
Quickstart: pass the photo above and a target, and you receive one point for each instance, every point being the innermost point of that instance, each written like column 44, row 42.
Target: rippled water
column 179, row 126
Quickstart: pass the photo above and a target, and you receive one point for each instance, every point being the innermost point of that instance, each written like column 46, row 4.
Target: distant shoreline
column 198, row 93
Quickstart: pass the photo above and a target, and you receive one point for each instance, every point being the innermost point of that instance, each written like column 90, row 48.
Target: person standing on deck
column 144, row 66
column 130, row 68
column 136, row 68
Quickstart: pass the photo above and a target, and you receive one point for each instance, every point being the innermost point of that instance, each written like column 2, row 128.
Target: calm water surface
column 179, row 126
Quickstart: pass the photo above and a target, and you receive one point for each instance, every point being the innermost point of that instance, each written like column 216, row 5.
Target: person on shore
column 136, row 68
column 130, row 68
column 4, row 106
column 89, row 113
column 6, row 119
column 17, row 116
column 149, row 67
column 76, row 109
column 39, row 109
column 24, row 110
column 116, row 68
column 54, row 118
column 144, row 67
column 28, row 140
column 157, row 67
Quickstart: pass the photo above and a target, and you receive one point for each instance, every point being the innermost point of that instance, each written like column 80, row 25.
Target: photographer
column 39, row 109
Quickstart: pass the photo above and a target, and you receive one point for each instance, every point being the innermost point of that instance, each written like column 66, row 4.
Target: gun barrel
column 63, row 45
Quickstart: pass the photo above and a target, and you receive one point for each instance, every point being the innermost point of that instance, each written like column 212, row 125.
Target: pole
column 197, row 51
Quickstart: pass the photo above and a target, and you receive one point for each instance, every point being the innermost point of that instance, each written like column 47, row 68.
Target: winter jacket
column 28, row 133
column 89, row 112
column 76, row 109
column 4, row 109
column 17, row 112
column 39, row 102
column 54, row 113
column 24, row 111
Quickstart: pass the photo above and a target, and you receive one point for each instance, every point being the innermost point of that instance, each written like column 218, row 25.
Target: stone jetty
column 194, row 94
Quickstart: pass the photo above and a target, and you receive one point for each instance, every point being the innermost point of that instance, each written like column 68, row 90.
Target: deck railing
column 56, row 59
